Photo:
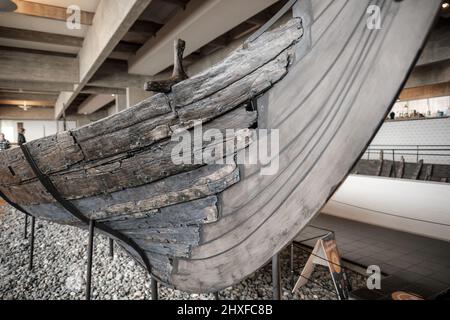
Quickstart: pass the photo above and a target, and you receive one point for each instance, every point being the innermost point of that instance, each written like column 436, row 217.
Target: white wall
column 35, row 129
column 416, row 132
column 412, row 206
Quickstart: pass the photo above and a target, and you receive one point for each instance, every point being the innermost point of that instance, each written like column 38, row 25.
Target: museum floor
column 422, row 263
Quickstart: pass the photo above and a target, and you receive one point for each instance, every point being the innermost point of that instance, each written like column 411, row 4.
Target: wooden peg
column 178, row 75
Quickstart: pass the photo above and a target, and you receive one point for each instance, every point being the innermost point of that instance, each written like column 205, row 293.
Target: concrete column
column 136, row 95
column 121, row 102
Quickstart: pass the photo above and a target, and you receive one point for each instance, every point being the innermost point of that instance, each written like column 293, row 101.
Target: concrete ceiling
column 201, row 22
column 19, row 21
column 41, row 55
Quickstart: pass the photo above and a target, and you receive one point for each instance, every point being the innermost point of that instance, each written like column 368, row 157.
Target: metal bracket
column 72, row 209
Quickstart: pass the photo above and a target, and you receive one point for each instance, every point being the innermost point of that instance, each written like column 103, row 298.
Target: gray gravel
column 60, row 267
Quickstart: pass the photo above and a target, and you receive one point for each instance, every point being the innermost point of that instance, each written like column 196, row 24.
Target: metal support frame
column 292, row 260
column 25, row 231
column 154, row 288
column 75, row 212
column 90, row 253
column 276, row 277
column 33, row 225
column 111, row 248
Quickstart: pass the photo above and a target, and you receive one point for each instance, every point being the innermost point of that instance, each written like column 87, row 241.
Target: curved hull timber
column 324, row 80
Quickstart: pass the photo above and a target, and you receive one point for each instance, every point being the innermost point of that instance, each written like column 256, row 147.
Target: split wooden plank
column 237, row 65
column 417, row 170
column 197, row 212
column 380, row 167
column 237, row 93
column 206, row 110
column 401, row 169
column 429, row 172
column 150, row 165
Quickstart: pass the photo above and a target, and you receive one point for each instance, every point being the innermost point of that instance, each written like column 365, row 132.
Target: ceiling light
column 24, row 107
column 445, row 5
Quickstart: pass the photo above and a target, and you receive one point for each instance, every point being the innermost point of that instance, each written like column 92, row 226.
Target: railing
column 433, row 154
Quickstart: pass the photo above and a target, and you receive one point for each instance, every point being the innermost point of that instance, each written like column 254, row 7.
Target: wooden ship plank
column 323, row 79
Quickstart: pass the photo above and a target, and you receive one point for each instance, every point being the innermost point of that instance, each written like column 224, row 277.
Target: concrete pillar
column 136, row 95
column 121, row 102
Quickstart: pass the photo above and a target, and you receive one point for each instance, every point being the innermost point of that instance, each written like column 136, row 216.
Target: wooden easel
column 325, row 253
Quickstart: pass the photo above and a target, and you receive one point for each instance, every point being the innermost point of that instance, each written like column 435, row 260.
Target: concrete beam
column 59, row 43
column 136, row 95
column 102, row 90
column 24, row 66
column 15, row 113
column 112, row 21
column 429, row 74
column 115, row 75
column 37, row 36
column 36, row 86
column 31, row 103
column 49, row 12
column 95, row 103
column 28, row 96
column 438, row 46
column 60, row 105
column 197, row 25
column 141, row 31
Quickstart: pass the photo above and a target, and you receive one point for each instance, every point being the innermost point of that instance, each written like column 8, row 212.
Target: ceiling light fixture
column 24, row 107
column 7, row 6
column 445, row 5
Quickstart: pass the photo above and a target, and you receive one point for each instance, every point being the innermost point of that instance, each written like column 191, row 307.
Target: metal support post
column 154, row 285
column 33, row 224
column 25, row 235
column 276, row 277
column 111, row 248
column 292, row 259
column 90, row 253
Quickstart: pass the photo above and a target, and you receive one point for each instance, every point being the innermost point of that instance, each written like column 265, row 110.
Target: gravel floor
column 60, row 265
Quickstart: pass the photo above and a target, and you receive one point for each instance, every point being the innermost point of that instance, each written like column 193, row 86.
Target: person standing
column 4, row 144
column 21, row 138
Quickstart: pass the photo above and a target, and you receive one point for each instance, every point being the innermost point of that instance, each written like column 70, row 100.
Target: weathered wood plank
column 189, row 235
column 401, row 169
column 237, row 93
column 418, row 170
column 429, row 172
column 380, row 167
column 232, row 69
column 150, row 165
column 196, row 212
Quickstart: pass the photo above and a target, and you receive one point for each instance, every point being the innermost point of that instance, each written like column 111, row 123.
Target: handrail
column 392, row 150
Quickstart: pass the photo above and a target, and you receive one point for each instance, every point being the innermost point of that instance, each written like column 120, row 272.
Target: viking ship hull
column 324, row 80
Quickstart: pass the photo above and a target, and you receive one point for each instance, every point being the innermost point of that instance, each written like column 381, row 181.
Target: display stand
column 326, row 254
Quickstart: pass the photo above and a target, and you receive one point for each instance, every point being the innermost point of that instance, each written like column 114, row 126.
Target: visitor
column 392, row 115
column 21, row 138
column 4, row 144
